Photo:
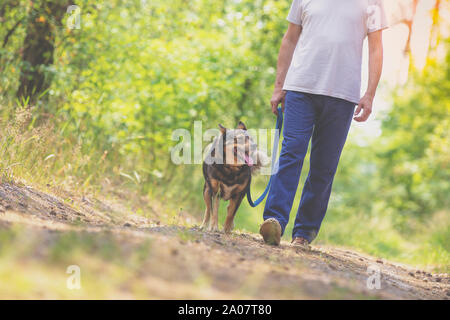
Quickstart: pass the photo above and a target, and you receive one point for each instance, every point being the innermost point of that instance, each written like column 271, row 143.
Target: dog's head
column 239, row 148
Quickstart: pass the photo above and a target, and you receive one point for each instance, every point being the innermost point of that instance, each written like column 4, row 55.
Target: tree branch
column 10, row 32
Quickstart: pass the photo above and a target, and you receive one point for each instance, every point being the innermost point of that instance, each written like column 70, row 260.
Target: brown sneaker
column 301, row 243
column 271, row 232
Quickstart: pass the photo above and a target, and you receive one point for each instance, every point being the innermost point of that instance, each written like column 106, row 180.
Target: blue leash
column 274, row 158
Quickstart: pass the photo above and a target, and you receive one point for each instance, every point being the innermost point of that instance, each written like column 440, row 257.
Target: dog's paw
column 213, row 229
column 228, row 228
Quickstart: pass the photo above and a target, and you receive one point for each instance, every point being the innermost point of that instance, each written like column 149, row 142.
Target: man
column 318, row 84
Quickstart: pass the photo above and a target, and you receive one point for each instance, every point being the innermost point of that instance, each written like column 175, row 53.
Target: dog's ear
column 241, row 126
column 222, row 129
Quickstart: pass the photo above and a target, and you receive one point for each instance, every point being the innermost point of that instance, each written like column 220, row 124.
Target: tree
column 39, row 46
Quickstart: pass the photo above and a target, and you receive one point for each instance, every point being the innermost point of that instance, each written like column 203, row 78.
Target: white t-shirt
column 328, row 56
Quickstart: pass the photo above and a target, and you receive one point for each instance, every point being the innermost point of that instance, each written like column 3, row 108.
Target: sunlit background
column 89, row 113
column 427, row 41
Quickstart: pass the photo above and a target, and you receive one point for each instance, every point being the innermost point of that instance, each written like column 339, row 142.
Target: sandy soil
column 238, row 266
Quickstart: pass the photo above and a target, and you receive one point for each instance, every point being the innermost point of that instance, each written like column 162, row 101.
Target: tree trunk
column 38, row 48
column 409, row 23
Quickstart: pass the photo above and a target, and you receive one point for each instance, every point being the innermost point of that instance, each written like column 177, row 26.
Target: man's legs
column 300, row 115
column 328, row 139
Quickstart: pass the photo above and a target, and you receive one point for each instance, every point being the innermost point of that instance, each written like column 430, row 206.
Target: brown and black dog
column 228, row 169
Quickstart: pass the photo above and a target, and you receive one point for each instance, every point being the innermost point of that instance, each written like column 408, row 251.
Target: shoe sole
column 301, row 247
column 271, row 232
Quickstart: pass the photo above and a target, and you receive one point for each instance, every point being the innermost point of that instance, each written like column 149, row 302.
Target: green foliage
column 415, row 148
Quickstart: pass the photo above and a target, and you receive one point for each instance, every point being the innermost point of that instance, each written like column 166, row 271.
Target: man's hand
column 375, row 66
column 277, row 98
column 365, row 104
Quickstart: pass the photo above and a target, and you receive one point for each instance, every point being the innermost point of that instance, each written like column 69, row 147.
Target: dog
column 227, row 169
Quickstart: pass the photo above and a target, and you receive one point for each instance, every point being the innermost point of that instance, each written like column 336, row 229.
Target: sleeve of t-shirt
column 295, row 14
column 376, row 16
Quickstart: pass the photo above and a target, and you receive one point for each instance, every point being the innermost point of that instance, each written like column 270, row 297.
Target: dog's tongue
column 248, row 160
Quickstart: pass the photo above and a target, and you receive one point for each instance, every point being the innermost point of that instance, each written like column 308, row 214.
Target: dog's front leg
column 207, row 196
column 214, row 226
column 235, row 202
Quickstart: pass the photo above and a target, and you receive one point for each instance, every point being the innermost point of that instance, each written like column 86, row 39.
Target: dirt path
column 145, row 259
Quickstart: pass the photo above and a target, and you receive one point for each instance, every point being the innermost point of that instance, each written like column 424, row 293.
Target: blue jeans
column 327, row 120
